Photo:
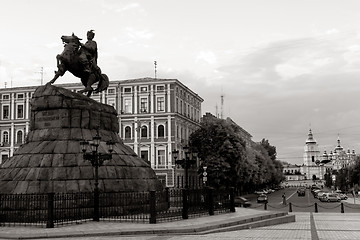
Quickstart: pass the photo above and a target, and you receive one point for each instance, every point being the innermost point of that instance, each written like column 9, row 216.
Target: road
column 301, row 203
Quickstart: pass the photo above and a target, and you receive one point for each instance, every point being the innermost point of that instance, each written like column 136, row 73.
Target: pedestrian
column 284, row 199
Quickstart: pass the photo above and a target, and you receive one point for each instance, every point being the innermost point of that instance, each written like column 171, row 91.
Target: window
column 111, row 91
column 143, row 105
column 144, row 131
column 161, row 158
column 144, row 154
column 127, row 90
column 111, row 102
column 143, row 89
column 20, row 95
column 161, row 131
column 312, row 158
column 19, row 137
column 128, row 105
column 5, row 112
column 6, row 97
column 127, row 132
column 5, row 137
column 160, row 88
column 20, row 111
column 160, row 104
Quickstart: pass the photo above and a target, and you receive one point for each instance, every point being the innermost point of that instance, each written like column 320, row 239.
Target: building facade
column 156, row 116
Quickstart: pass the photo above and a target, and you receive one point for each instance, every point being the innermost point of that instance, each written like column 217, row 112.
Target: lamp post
column 96, row 159
column 186, row 164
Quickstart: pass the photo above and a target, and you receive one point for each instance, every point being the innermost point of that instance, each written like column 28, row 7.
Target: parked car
column 343, row 196
column 241, row 201
column 270, row 190
column 315, row 188
column 318, row 194
column 261, row 192
column 262, row 198
column 330, row 197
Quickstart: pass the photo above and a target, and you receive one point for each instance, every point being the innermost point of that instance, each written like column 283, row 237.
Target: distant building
column 316, row 164
column 292, row 172
column 156, row 116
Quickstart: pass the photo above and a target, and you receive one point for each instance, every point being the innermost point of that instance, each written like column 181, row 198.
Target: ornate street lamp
column 96, row 159
column 186, row 163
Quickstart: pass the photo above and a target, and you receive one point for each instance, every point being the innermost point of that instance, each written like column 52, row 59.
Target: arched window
column 127, row 132
column 19, row 137
column 6, row 137
column 144, row 131
column 161, row 131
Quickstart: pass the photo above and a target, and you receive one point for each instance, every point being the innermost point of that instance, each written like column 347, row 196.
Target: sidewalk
column 107, row 228
column 307, row 226
column 352, row 200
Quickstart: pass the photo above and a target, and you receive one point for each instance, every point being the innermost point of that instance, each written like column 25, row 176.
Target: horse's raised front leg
column 59, row 72
column 57, row 75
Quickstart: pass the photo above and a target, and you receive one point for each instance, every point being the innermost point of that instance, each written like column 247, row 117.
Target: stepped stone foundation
column 51, row 159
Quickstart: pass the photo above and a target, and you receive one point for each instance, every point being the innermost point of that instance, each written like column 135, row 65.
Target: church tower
column 311, row 151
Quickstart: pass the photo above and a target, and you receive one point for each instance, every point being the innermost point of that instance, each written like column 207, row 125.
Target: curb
column 231, row 224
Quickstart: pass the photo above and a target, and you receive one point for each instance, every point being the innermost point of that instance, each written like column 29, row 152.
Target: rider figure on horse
column 88, row 54
column 81, row 60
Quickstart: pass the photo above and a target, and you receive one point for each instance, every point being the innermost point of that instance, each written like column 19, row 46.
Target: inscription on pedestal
column 47, row 119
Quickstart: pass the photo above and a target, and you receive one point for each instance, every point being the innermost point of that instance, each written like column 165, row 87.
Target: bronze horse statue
column 69, row 60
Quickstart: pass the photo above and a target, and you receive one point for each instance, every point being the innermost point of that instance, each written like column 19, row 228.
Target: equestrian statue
column 81, row 60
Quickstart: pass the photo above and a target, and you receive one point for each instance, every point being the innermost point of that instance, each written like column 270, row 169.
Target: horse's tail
column 103, row 83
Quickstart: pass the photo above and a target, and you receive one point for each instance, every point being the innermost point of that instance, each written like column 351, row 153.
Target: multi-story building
column 156, row 116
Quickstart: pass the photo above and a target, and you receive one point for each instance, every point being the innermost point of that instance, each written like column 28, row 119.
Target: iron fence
column 143, row 207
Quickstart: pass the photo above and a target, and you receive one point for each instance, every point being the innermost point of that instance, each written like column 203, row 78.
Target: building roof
column 310, row 138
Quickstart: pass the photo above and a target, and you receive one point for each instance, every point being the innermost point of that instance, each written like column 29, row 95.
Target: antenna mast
column 155, row 63
column 222, row 106
column 42, row 75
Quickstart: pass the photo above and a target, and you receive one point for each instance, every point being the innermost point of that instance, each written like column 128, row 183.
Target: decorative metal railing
column 145, row 207
column 341, row 207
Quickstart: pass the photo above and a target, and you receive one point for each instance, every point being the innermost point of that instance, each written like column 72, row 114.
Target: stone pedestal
column 51, row 159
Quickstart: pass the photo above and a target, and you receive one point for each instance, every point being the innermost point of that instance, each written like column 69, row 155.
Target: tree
column 231, row 162
column 221, row 150
column 271, row 150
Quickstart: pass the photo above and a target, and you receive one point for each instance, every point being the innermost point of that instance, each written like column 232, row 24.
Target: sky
column 283, row 67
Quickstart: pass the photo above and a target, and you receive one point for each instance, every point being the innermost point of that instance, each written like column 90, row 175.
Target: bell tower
column 311, row 151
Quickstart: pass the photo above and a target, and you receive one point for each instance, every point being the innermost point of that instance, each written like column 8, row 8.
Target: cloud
column 139, row 34
column 277, row 90
column 206, row 56
column 118, row 7
column 130, row 6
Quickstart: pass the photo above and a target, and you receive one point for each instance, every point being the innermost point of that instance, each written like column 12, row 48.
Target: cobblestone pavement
column 314, row 226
